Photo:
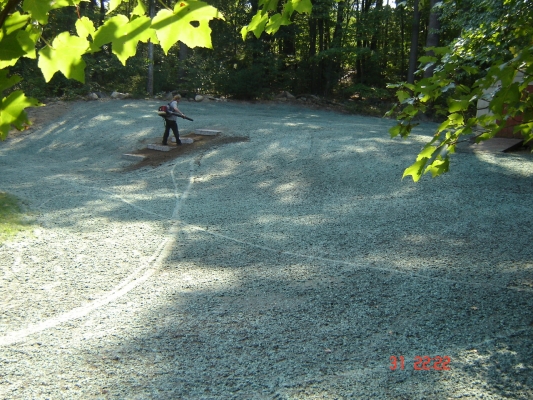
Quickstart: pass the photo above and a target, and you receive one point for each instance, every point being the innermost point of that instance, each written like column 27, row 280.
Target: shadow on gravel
column 333, row 271
column 302, row 262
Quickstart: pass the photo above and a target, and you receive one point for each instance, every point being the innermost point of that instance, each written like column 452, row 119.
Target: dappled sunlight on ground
column 284, row 258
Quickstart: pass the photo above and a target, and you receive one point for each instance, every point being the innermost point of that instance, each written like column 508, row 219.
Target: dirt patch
column 155, row 158
column 39, row 116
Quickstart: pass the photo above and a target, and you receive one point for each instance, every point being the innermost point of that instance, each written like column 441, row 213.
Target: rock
column 184, row 140
column 133, row 157
column 285, row 96
column 169, row 96
column 207, row 132
column 101, row 95
column 92, row 96
column 160, row 147
column 198, row 98
column 118, row 95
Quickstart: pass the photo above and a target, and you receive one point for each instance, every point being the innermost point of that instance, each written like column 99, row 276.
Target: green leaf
column 129, row 35
column 438, row 167
column 426, row 152
column 262, row 23
column 427, row 59
column 258, row 23
column 10, row 50
column 395, row 130
column 85, row 27
column 140, row 8
column 14, row 22
column 124, row 35
column 457, row 105
column 456, row 119
column 402, row 95
column 268, row 5
column 108, row 32
column 415, row 170
column 39, row 9
column 113, row 4
column 27, row 43
column 65, row 56
column 275, row 22
column 12, row 112
column 444, row 125
column 5, row 82
column 303, row 6
column 175, row 25
column 470, row 70
column 526, row 129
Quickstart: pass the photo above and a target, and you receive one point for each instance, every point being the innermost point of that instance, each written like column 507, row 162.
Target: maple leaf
column 5, row 82
column 175, row 25
column 84, row 27
column 39, row 8
column 12, row 111
column 65, row 56
column 140, row 9
column 113, row 4
column 124, row 35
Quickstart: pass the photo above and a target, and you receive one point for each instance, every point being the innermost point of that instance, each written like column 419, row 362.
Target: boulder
column 92, row 96
column 285, row 96
column 118, row 95
column 198, row 98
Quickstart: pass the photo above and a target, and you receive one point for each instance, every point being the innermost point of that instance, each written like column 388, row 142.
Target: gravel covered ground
column 289, row 266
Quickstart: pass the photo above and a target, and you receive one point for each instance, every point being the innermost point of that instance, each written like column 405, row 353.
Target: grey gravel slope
column 293, row 265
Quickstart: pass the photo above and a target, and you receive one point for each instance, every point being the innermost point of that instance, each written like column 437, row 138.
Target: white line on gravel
column 133, row 280
column 130, row 282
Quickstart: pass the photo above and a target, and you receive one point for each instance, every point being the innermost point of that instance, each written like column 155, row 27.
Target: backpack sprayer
column 164, row 111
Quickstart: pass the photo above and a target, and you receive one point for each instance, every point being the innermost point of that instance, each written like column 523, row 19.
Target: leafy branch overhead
column 22, row 22
column 497, row 56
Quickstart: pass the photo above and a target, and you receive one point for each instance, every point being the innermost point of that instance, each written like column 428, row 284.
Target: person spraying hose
column 171, row 120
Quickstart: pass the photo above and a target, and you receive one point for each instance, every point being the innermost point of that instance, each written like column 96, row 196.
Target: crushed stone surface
column 292, row 265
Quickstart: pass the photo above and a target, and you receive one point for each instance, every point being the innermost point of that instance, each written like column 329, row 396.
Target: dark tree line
column 342, row 49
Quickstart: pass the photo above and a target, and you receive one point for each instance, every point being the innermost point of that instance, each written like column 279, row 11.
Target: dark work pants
column 168, row 126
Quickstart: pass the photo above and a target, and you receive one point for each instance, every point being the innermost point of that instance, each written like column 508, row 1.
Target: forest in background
column 347, row 50
column 467, row 62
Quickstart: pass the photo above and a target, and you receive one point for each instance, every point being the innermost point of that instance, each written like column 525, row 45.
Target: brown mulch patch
column 155, row 158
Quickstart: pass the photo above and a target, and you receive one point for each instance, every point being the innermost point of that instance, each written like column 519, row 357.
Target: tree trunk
column 414, row 44
column 433, row 35
column 102, row 11
column 334, row 62
column 150, row 80
column 183, row 54
column 402, row 38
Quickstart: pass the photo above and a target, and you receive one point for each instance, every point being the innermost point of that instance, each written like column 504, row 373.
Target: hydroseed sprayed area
column 292, row 265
